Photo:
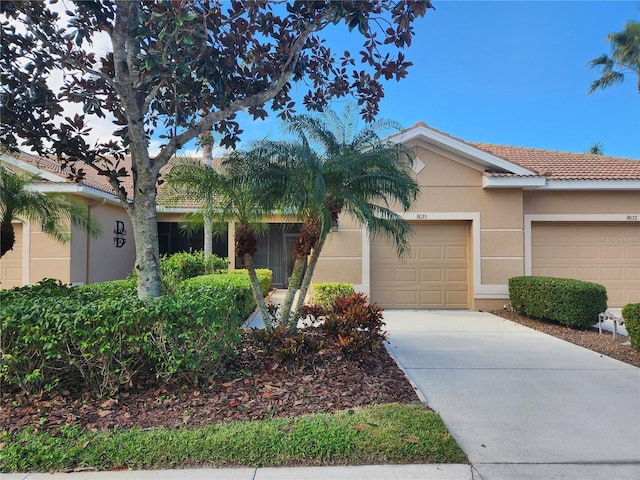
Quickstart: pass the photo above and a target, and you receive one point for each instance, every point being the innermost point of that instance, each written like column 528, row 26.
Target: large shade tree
column 624, row 58
column 333, row 169
column 180, row 68
column 20, row 202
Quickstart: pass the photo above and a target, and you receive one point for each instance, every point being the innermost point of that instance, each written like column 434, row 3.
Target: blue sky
column 511, row 73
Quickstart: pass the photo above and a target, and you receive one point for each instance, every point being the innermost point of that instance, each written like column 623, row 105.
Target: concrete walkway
column 522, row 404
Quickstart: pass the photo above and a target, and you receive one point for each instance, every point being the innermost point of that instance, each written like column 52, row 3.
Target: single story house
column 486, row 213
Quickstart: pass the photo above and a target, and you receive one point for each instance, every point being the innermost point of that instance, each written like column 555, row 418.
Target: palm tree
column 334, row 169
column 52, row 211
column 226, row 195
column 625, row 57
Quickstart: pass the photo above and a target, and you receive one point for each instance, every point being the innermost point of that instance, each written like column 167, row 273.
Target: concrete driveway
column 522, row 404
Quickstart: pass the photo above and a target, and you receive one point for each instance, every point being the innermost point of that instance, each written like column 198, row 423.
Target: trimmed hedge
column 265, row 277
column 569, row 302
column 102, row 335
column 324, row 294
column 183, row 265
column 631, row 317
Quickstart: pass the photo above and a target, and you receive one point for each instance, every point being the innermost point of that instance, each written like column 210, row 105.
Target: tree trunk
column 257, row 293
column 294, row 285
column 145, row 234
column 207, row 158
column 306, row 281
column 7, row 239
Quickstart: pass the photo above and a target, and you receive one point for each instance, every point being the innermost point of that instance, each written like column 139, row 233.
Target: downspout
column 87, row 262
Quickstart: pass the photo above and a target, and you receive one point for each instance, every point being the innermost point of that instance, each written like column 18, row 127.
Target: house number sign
column 119, row 234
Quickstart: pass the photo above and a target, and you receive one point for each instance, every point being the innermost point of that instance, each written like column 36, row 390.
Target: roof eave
column 76, row 189
column 620, row 184
column 514, row 182
column 27, row 167
column 487, row 160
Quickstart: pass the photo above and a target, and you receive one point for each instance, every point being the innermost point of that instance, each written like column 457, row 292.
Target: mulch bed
column 259, row 386
column 618, row 348
column 256, row 387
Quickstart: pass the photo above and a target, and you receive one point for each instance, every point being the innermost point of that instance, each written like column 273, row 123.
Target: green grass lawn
column 372, row 435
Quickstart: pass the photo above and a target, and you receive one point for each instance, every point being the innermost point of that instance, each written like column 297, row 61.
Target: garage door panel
column 632, row 252
column 605, row 253
column 586, row 253
column 613, row 252
column 457, row 275
column 431, row 275
column 431, row 297
column 457, row 299
column 405, row 275
column 431, row 252
column 439, row 262
column 612, row 274
column 458, row 252
column 563, row 252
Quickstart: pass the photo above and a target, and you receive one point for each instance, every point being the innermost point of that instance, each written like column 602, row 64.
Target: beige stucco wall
column 600, row 202
column 451, row 190
column 37, row 255
column 99, row 259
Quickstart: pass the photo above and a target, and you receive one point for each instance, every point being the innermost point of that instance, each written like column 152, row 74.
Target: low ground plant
column 390, row 433
column 324, row 293
column 352, row 322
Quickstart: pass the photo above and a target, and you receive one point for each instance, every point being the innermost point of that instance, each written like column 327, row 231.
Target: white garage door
column 435, row 275
column 605, row 253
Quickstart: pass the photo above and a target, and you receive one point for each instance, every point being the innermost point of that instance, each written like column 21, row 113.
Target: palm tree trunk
column 207, row 159
column 257, row 292
column 306, row 281
column 294, row 284
column 7, row 238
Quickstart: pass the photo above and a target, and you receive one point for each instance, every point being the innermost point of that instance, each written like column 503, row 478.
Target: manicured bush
column 265, row 277
column 36, row 324
column 354, row 324
column 103, row 336
column 631, row 317
column 325, row 293
column 180, row 266
column 242, row 294
column 569, row 302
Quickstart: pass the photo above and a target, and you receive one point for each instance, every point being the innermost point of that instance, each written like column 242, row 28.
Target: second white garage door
column 604, row 253
column 435, row 275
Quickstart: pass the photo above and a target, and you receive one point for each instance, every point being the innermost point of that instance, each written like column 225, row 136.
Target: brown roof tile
column 566, row 166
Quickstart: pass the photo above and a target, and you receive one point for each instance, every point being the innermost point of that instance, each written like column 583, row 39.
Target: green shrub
column 569, row 302
column 631, row 317
column 265, row 277
column 354, row 324
column 325, row 293
column 180, row 266
column 242, row 294
column 36, row 323
column 287, row 346
column 104, row 336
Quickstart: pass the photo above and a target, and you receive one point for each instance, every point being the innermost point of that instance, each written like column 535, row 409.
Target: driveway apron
column 520, row 403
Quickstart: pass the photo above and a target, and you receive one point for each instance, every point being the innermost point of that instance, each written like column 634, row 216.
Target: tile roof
column 564, row 165
column 91, row 179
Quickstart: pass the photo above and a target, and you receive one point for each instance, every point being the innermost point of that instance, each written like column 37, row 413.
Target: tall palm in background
column 54, row 212
column 625, row 57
